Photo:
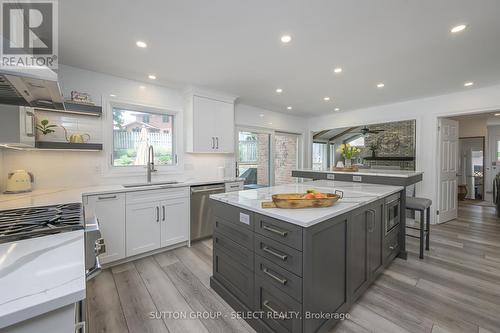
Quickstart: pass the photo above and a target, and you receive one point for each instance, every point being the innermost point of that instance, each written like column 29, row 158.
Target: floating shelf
column 68, row 146
column 389, row 158
column 76, row 108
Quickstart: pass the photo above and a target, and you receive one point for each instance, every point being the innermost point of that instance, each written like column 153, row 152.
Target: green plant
column 348, row 151
column 45, row 127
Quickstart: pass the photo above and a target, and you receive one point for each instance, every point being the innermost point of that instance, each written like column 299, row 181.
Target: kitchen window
column 135, row 130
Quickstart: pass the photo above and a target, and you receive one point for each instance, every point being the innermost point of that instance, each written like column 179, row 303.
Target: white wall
column 65, row 168
column 426, row 112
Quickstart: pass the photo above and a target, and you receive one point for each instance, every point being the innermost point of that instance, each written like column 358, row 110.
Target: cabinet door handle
column 276, row 231
column 371, row 227
column 213, row 142
column 217, row 140
column 157, row 214
column 282, row 281
column 107, row 197
column 392, row 247
column 268, row 307
column 274, row 253
column 163, row 212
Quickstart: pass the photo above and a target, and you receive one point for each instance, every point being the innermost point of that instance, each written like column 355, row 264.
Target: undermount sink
column 151, row 184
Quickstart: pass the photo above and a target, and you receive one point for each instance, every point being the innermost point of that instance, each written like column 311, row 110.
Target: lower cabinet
column 156, row 219
column 109, row 209
column 137, row 222
column 365, row 248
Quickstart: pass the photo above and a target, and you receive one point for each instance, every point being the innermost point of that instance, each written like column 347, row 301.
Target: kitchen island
column 286, row 270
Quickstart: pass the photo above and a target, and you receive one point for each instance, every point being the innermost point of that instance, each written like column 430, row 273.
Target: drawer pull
column 268, row 307
column 274, row 253
column 282, row 281
column 392, row 247
column 276, row 231
column 107, row 197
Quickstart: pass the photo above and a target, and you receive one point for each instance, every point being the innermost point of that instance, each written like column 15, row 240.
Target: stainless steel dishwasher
column 201, row 225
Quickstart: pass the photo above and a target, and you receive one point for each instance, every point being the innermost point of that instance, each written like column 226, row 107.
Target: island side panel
column 325, row 271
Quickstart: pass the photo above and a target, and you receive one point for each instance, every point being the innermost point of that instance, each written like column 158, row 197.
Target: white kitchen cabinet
column 109, row 209
column 175, row 225
column 143, row 227
column 156, row 219
column 209, row 125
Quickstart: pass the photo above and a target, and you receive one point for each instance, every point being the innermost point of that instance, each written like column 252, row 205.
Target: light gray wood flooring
column 456, row 288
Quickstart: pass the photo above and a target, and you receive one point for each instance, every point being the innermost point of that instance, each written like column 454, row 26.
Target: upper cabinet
column 209, row 124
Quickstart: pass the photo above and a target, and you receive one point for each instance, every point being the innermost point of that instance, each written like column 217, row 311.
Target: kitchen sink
column 151, row 184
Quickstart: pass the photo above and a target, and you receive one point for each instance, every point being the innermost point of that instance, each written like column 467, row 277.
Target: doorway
column 471, row 168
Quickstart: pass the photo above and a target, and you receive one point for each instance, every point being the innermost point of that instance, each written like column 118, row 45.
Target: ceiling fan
column 365, row 130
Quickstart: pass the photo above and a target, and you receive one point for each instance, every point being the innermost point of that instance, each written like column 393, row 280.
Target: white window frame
column 109, row 170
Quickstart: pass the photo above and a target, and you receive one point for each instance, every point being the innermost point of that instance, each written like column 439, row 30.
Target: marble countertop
column 40, row 274
column 44, row 197
column 370, row 172
column 355, row 195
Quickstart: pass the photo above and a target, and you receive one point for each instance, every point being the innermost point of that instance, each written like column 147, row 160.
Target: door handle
column 107, row 197
column 282, row 281
column 163, row 211
column 276, row 231
column 213, row 143
column 268, row 307
column 371, row 227
column 157, row 214
column 217, row 140
column 274, row 253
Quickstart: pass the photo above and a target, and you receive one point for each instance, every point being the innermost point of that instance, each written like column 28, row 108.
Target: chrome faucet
column 151, row 163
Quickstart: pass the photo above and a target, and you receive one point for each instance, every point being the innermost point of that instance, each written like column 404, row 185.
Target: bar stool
column 423, row 205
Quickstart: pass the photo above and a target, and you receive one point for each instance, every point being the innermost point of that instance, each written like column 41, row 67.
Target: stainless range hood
column 30, row 86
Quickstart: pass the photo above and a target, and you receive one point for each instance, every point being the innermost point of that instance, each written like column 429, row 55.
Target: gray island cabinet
column 300, row 272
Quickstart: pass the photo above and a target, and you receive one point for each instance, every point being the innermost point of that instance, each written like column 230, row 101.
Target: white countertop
column 370, row 172
column 57, row 196
column 40, row 274
column 355, row 195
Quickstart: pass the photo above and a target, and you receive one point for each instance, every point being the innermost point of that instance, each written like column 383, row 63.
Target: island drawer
column 234, row 231
column 280, row 311
column 391, row 246
column 232, row 249
column 279, row 277
column 283, row 232
column 278, row 253
column 241, row 217
column 237, row 278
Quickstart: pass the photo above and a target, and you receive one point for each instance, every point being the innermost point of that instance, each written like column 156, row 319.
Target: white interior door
column 448, row 163
column 492, row 160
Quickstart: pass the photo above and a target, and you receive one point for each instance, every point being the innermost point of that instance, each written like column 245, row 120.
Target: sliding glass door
column 266, row 157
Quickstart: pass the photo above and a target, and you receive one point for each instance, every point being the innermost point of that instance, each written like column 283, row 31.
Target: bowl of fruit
column 311, row 199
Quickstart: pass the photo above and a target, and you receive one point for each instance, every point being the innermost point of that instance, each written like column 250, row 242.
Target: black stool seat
column 418, row 203
column 423, row 205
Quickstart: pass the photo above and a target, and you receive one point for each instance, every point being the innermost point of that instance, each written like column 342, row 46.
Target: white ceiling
column 234, row 46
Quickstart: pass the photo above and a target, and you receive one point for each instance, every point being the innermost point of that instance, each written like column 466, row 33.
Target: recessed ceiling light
column 112, row 95
column 289, row 108
column 497, row 114
column 380, row 85
column 141, row 44
column 142, row 87
column 458, row 28
column 337, row 70
column 270, row 123
column 286, row 39
column 468, row 84
column 336, row 109
column 261, row 115
column 152, row 77
column 326, row 99
column 279, row 90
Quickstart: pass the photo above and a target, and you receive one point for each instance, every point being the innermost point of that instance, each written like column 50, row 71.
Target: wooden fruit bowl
column 296, row 201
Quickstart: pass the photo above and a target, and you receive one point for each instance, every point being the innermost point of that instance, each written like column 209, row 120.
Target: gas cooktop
column 22, row 223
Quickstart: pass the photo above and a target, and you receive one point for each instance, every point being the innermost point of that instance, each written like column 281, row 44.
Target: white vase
column 348, row 163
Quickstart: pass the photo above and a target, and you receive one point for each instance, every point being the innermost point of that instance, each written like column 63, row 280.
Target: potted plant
column 348, row 153
column 45, row 127
column 374, row 147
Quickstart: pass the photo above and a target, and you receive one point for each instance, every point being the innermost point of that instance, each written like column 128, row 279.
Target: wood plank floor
column 456, row 288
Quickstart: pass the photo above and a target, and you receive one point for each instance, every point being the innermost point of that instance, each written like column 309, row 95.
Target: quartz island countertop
column 40, row 274
column 369, row 172
column 355, row 195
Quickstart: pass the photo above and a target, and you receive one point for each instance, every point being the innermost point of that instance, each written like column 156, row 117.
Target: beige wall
column 472, row 127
